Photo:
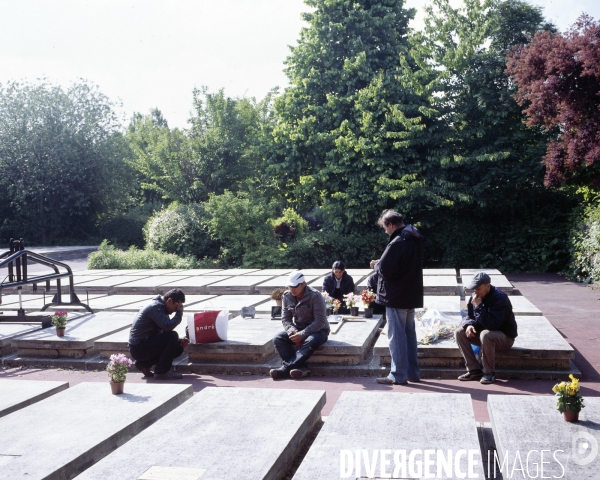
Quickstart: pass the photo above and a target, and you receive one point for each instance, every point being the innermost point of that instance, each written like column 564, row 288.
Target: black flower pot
column 368, row 313
column 329, row 311
column 354, row 311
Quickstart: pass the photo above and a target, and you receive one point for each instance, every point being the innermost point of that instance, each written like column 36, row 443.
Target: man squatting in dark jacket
column 152, row 339
column 400, row 290
column 490, row 324
column 306, row 328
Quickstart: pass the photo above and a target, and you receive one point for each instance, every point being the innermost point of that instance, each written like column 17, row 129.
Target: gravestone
column 18, row 394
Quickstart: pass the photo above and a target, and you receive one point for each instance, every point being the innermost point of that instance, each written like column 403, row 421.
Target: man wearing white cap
column 306, row 328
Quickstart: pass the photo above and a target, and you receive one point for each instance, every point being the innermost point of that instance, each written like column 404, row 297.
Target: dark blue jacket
column 493, row 313
column 346, row 285
column 400, row 270
column 152, row 319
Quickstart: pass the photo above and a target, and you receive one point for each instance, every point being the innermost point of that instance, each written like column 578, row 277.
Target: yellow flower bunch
column 568, row 395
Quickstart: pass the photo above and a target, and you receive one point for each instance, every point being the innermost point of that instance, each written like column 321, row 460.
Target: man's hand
column 476, row 300
column 373, row 263
column 180, row 308
column 184, row 342
column 296, row 338
column 470, row 331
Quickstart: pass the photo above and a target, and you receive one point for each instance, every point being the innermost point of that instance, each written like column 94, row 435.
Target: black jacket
column 493, row 313
column 152, row 319
column 346, row 285
column 400, row 270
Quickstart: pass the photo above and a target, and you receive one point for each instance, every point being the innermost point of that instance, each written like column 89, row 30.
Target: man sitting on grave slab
column 153, row 341
column 306, row 328
column 490, row 324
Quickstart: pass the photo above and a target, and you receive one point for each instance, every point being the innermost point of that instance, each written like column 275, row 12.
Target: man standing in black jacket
column 490, row 324
column 400, row 290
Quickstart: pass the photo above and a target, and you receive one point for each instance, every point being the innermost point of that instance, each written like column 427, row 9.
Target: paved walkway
column 572, row 308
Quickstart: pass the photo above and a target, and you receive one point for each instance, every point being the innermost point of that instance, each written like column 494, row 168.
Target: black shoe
column 388, row 381
column 299, row 372
column 145, row 370
column 170, row 375
column 488, row 378
column 473, row 375
column 277, row 373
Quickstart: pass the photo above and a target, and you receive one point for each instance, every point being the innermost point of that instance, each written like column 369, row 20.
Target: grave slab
column 249, row 340
column 359, row 274
column 100, row 272
column 196, row 284
column 150, row 285
column 267, row 287
column 202, row 271
column 119, row 302
column 499, row 281
column 523, row 307
column 524, row 424
column 11, row 331
column 469, row 272
column 62, row 435
column 274, row 271
column 350, row 345
column 35, row 301
column 18, row 394
column 315, row 271
column 440, row 285
column 234, row 272
column 439, row 271
column 105, row 285
column 241, row 285
column 233, row 303
column 539, row 346
column 79, row 338
column 376, row 421
column 229, row 432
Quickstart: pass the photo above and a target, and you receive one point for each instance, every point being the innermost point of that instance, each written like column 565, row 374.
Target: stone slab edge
column 30, row 401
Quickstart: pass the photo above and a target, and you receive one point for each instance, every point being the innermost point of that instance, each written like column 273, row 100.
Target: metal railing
column 16, row 259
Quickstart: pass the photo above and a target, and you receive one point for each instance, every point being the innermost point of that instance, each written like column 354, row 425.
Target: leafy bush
column 182, row 230
column 585, row 245
column 289, row 226
column 125, row 230
column 108, row 256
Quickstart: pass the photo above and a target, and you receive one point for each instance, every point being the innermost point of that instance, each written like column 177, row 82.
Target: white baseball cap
column 295, row 279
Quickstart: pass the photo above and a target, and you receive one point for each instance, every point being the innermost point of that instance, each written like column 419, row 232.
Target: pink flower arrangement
column 118, row 367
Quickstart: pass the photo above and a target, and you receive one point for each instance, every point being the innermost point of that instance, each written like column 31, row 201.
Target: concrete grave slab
column 472, row 271
column 523, row 307
column 440, row 285
column 229, row 432
column 150, row 285
column 11, row 331
column 243, row 284
column 79, row 338
column 529, row 424
column 499, row 281
column 155, row 272
column 193, row 299
column 539, row 346
column 202, row 271
column 62, row 435
column 35, row 301
column 105, row 285
column 18, row 394
column 196, row 284
column 359, row 274
column 439, row 271
column 234, row 272
column 443, row 303
column 233, row 303
column 315, row 271
column 102, row 272
column 248, row 341
column 350, row 345
column 374, row 421
column 281, row 282
column 274, row 271
column 119, row 302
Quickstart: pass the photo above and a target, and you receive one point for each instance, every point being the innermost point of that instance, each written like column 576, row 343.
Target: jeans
column 402, row 338
column 489, row 341
column 296, row 358
column 159, row 350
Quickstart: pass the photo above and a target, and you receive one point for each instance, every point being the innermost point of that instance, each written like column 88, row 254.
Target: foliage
column 182, row 230
column 59, row 319
column 558, row 79
column 568, row 395
column 118, row 366
column 341, row 128
column 289, row 226
column 126, row 229
column 584, row 245
column 108, row 256
column 61, row 167
column 239, row 223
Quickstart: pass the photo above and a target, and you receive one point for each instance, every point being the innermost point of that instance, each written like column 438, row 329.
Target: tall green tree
column 345, row 122
column 61, row 161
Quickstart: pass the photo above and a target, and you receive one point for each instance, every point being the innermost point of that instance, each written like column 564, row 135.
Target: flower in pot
column 328, row 303
column 570, row 401
column 59, row 320
column 367, row 297
column 117, row 370
column 336, row 304
column 351, row 301
column 277, row 295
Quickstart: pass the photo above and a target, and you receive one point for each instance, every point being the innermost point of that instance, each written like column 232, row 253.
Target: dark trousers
column 295, row 357
column 159, row 350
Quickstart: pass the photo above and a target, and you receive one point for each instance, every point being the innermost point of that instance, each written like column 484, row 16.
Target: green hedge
column 584, row 245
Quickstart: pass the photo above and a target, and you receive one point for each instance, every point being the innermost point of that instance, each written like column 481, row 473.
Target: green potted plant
column 277, row 295
column 570, row 401
column 59, row 320
column 117, row 370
